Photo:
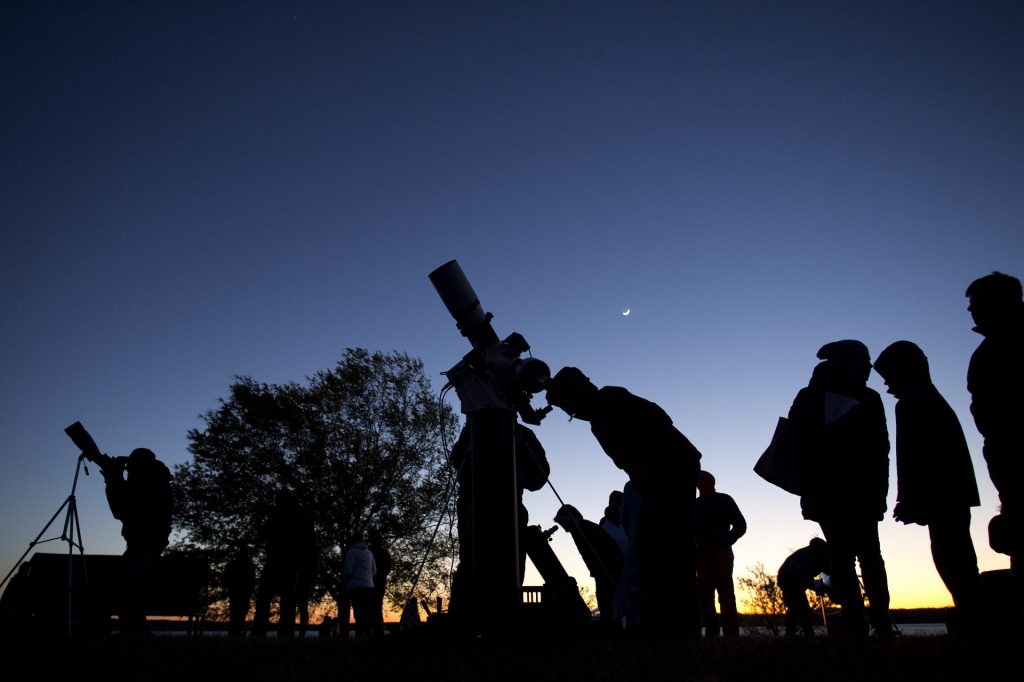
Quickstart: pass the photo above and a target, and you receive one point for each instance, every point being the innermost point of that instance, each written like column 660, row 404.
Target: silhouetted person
column 995, row 379
column 842, row 422
column 662, row 464
column 382, row 557
column 631, row 601
column 600, row 553
column 935, row 477
column 719, row 524
column 239, row 584
column 143, row 502
column 797, row 575
column 309, row 572
column 290, row 541
column 360, row 570
column 611, row 522
column 532, row 471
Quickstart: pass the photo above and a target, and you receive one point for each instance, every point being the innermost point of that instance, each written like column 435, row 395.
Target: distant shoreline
column 918, row 616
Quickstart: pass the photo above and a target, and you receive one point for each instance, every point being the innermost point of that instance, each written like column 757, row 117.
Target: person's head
column 569, row 517
column 817, row 543
column 849, row 361
column 142, row 463
column 705, row 483
column 141, row 457
column 572, row 391
column 903, row 366
column 1002, row 535
column 993, row 299
column 615, row 498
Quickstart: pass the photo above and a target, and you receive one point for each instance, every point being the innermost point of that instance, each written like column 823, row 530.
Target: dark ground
column 427, row 654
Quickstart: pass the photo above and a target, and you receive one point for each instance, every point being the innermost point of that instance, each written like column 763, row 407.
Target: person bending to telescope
column 662, row 465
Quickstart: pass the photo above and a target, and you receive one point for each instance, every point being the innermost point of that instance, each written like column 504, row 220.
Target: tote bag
column 782, row 463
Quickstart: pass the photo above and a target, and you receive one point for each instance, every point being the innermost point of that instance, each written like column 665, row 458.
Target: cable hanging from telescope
column 447, row 501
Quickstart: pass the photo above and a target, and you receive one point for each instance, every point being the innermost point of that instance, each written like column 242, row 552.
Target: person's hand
column 904, row 514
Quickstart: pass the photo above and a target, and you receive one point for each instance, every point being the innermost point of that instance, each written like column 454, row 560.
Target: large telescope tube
column 458, row 296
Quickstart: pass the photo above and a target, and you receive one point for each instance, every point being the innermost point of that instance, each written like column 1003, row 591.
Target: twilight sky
column 193, row 191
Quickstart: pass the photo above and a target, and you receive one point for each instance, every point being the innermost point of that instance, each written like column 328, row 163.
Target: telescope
column 494, row 373
column 107, row 464
column 494, row 383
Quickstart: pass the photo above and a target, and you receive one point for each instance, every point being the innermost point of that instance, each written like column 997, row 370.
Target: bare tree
column 763, row 596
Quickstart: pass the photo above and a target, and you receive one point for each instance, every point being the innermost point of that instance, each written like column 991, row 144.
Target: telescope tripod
column 71, row 534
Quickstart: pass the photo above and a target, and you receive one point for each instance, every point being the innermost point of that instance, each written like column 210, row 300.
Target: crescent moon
column 625, row 312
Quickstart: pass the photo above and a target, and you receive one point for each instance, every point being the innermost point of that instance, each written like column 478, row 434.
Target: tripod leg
column 36, row 541
column 73, row 528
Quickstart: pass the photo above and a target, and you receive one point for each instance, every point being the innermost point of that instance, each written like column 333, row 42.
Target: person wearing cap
column 935, row 477
column 995, row 380
column 143, row 502
column 846, row 462
column 719, row 524
column 662, row 465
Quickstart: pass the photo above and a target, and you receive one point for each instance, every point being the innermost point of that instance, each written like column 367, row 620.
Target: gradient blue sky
column 197, row 190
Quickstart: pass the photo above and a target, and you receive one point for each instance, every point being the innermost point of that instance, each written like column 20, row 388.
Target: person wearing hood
column 846, row 443
column 995, row 380
column 935, row 478
column 360, row 569
column 662, row 465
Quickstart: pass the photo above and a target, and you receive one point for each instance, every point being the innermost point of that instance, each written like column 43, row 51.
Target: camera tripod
column 71, row 534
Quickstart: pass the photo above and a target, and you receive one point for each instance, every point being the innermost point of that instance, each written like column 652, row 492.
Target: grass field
column 574, row 657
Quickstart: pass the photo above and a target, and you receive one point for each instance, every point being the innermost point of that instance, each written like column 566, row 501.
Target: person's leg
column 138, row 561
column 957, row 564
column 798, row 613
column 726, row 593
column 264, row 594
column 667, row 560
column 876, row 582
column 845, row 585
column 706, row 593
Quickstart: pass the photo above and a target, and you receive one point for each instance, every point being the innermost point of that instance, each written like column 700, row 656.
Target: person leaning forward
column 662, row 465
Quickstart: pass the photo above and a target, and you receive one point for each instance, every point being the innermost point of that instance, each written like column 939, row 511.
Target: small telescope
column 80, row 437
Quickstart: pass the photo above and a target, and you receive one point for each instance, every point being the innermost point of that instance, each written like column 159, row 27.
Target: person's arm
column 738, row 523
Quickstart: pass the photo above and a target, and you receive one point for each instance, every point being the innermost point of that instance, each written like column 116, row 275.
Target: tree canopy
column 360, row 446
